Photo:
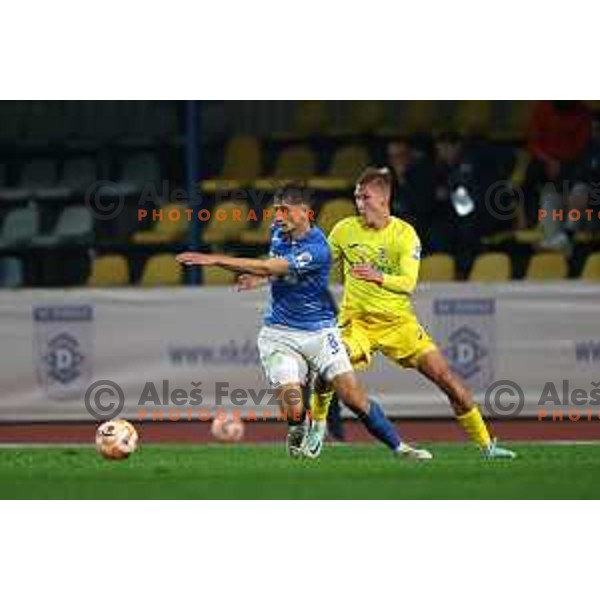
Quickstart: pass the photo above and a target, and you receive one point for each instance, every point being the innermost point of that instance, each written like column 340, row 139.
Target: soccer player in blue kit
column 300, row 336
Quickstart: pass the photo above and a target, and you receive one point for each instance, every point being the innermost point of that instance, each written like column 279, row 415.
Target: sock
column 473, row 424
column 319, row 404
column 335, row 424
column 378, row 425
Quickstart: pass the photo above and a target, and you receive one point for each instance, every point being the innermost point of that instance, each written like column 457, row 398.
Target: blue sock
column 379, row 426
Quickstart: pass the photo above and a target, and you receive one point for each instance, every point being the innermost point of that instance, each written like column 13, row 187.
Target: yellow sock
column 319, row 404
column 473, row 424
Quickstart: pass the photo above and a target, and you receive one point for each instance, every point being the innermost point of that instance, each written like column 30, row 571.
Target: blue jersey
column 301, row 299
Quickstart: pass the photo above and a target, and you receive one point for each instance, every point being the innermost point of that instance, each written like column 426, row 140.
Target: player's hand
column 245, row 282
column 367, row 273
column 195, row 258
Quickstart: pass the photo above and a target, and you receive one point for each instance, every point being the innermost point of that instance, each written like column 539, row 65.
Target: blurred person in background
column 411, row 186
column 558, row 137
column 452, row 215
column 584, row 194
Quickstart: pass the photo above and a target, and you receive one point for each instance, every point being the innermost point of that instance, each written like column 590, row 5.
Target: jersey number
column 333, row 343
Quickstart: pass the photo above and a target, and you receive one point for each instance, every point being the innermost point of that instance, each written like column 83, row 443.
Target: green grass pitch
column 264, row 471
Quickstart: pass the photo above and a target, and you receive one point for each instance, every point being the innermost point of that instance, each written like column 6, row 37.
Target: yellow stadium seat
column 333, row 211
column 346, row 165
column 490, row 267
column 109, row 270
column 294, row 162
column 257, row 235
column 242, row 164
column 162, row 269
column 364, row 116
column 473, row 116
column 420, row 116
column 348, row 162
column 437, row 267
column 217, row 276
column 172, row 227
column 516, row 121
column 547, row 266
column 591, row 269
column 311, row 116
column 227, row 222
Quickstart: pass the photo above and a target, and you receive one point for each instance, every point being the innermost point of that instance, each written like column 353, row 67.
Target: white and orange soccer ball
column 116, row 439
column 228, row 430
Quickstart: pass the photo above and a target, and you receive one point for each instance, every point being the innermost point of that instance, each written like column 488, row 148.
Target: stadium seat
column 437, row 268
column 79, row 171
column 362, row 116
column 515, row 122
column 546, row 266
column 75, row 224
column 257, row 235
column 141, row 169
column 419, row 116
column 348, row 162
column 217, row 276
column 38, row 173
column 490, row 267
column 165, row 230
column 294, row 162
column 591, row 269
column 162, row 269
column 333, row 211
column 367, row 115
column 109, row 270
column 310, row 117
column 473, row 116
column 226, row 230
column 20, row 226
column 11, row 272
column 346, row 165
column 242, row 164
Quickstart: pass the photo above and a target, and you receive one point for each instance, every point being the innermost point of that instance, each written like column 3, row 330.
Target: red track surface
column 198, row 432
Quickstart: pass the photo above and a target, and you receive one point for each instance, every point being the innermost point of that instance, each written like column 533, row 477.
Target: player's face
column 371, row 201
column 291, row 217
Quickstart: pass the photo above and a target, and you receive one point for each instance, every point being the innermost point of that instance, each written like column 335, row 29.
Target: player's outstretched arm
column 253, row 266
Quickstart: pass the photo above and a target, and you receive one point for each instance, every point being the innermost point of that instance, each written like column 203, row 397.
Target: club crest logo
column 466, row 332
column 63, row 349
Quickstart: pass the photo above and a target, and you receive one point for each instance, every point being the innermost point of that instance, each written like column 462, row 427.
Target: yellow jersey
column 395, row 251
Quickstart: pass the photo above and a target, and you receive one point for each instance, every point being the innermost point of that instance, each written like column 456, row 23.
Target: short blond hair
column 381, row 177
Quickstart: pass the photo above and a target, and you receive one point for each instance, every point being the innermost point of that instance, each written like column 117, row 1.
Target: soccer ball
column 116, row 439
column 227, row 430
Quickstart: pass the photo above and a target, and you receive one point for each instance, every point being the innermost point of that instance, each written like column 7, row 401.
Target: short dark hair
column 380, row 176
column 295, row 193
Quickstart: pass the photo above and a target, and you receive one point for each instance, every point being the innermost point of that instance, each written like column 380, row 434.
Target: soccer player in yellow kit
column 381, row 255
